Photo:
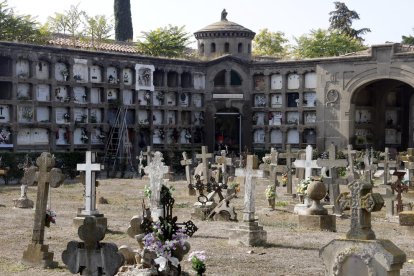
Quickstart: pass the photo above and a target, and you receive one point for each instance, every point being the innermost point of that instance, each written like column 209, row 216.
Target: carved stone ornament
column 332, row 97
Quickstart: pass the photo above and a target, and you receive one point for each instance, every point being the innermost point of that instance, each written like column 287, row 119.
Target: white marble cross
column 186, row 162
column 249, row 188
column 308, row 164
column 155, row 171
column 203, row 156
column 369, row 163
column 90, row 189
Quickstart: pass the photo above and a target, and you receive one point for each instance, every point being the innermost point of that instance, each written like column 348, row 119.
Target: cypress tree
column 123, row 20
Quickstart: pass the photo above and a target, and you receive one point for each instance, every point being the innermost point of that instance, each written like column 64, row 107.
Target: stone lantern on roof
column 224, row 38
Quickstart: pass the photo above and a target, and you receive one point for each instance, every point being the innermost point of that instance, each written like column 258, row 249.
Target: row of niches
column 365, row 115
column 365, row 136
column 142, row 75
column 96, row 95
column 293, row 81
column 66, row 115
column 291, row 136
column 277, row 118
column 183, row 136
column 63, row 136
column 278, row 100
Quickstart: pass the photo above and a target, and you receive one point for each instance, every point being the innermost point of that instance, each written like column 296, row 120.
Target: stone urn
column 316, row 191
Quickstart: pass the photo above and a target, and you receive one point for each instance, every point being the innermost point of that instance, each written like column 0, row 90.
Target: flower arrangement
column 147, row 191
column 197, row 259
column 50, row 217
column 303, row 186
column 284, row 179
column 270, row 192
column 235, row 186
column 163, row 241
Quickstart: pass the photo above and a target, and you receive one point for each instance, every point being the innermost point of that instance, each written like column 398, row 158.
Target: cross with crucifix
column 204, row 156
column 249, row 188
column 363, row 202
column 156, row 170
column 90, row 168
column 289, row 155
column 331, row 164
column 36, row 252
column 308, row 164
column 386, row 164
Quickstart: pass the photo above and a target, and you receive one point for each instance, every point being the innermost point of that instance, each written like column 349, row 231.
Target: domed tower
column 224, row 38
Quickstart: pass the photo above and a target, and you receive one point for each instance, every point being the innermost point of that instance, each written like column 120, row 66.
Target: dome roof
column 225, row 26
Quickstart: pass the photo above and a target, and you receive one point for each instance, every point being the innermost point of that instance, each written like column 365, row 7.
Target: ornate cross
column 249, row 188
column 90, row 183
column 186, row 162
column 156, row 170
column 289, row 155
column 331, row 164
column 204, row 156
column 399, row 187
column 353, row 175
column 386, row 164
column 308, row 164
column 363, row 202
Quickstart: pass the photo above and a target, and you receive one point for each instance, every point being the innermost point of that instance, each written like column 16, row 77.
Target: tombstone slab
column 317, row 222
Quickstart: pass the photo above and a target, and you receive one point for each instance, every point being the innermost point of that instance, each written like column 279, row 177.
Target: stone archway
column 383, row 115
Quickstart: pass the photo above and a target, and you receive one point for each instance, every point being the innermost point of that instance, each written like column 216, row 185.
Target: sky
column 388, row 20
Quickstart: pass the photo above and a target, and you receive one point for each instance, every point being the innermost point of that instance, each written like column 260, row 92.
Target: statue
column 224, row 15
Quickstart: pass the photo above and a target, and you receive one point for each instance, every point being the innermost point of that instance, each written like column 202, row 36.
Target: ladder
column 118, row 146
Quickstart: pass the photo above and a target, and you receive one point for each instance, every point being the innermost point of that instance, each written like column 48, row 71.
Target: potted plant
column 302, row 188
column 284, row 179
column 197, row 259
column 270, row 193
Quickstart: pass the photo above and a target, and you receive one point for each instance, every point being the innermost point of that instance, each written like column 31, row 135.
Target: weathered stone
column 317, row 222
column 406, row 218
column 248, row 234
column 128, row 254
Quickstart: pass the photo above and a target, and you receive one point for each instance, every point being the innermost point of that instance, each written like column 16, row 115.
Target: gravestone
column 37, row 253
column 155, row 171
column 204, row 156
column 140, row 165
column 386, row 164
column 90, row 168
column 91, row 257
column 399, row 187
column 223, row 161
column 289, row 155
column 408, row 160
column 187, row 162
column 29, row 178
column 360, row 253
column 333, row 186
column 369, row 165
column 352, row 174
column 250, row 233
column 308, row 164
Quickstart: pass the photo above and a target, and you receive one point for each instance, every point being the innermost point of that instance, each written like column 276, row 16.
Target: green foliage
column 341, row 21
column 123, row 20
column 270, row 192
column 170, row 41
column 267, row 43
column 57, row 23
column 98, row 28
column 67, row 161
column 408, row 40
column 323, row 43
column 22, row 28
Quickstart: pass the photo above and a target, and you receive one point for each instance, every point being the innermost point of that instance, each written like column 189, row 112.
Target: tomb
column 25, row 114
column 143, row 117
column 112, row 95
column 61, row 94
column 128, row 97
column 144, row 98
column 112, row 75
column 144, row 77
column 42, row 114
column 127, row 76
column 80, row 136
column 293, row 136
column 259, row 118
column 80, row 70
column 184, row 99
column 276, row 82
column 43, row 93
column 310, row 80
column 259, row 136
column 34, row 136
column 95, row 116
column 80, row 115
column 199, row 81
column 276, row 136
column 275, row 118
column 61, row 72
column 42, row 70
column 309, row 99
column 62, row 136
column 260, row 100
column 293, row 81
column 157, row 117
column 24, row 91
column 97, row 136
column 276, row 100
column 79, row 95
column 22, row 68
column 5, row 113
column 96, row 95
column 62, row 115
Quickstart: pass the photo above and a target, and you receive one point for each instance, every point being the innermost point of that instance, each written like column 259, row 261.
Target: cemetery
column 59, row 227
column 117, row 163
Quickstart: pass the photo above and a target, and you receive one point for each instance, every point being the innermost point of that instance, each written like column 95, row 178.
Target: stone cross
column 91, row 257
column 307, row 164
column 47, row 176
column 148, row 155
column 389, row 198
column 140, row 166
column 289, row 155
column 386, row 164
column 187, row 162
column 399, row 187
column 331, row 164
column 29, row 178
column 90, row 183
column 369, row 163
column 352, row 174
column 363, row 202
column 203, row 156
column 224, row 161
column 156, row 170
column 249, row 188
column 409, row 164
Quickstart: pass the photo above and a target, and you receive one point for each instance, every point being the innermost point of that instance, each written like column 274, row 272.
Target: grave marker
column 37, row 252
column 289, row 155
column 90, row 183
column 186, row 162
column 308, row 164
column 386, row 164
column 156, row 170
column 331, row 164
column 204, row 156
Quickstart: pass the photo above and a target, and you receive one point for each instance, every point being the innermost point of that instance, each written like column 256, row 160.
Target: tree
column 75, row 18
column 98, row 28
column 170, row 41
column 341, row 21
column 323, row 43
column 407, row 40
column 268, row 43
column 57, row 23
column 20, row 27
column 123, row 20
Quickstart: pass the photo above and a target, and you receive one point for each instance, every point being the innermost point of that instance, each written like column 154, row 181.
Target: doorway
column 227, row 132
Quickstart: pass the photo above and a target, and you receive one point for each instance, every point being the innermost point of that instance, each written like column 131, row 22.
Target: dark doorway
column 227, row 132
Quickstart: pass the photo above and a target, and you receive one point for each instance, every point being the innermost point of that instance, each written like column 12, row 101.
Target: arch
column 201, row 48
column 213, row 47
column 220, row 78
column 235, row 78
column 240, row 48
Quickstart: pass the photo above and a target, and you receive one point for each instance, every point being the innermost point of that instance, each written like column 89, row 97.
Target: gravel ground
column 289, row 251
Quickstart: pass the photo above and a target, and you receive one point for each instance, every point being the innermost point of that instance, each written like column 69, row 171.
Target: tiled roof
column 67, row 42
